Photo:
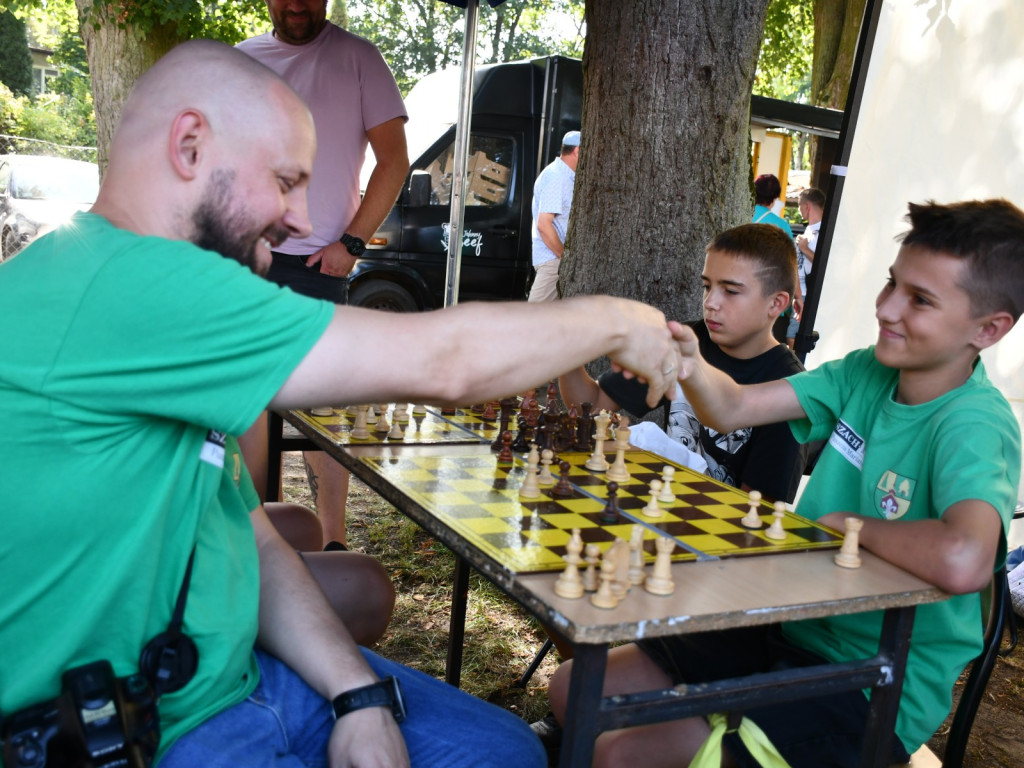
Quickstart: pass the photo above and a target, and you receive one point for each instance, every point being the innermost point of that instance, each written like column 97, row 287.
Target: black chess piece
column 521, row 444
column 610, row 513
column 563, row 488
column 505, row 456
column 585, row 429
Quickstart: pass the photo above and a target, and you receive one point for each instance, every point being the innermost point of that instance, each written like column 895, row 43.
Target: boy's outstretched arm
column 955, row 553
column 721, row 403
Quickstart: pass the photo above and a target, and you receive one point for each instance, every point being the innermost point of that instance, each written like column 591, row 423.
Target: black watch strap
column 386, row 693
column 355, row 245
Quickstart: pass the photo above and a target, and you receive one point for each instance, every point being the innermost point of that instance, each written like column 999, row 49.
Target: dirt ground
column 997, row 738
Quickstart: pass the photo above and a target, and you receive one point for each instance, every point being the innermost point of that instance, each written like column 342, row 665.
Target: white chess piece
column 753, row 519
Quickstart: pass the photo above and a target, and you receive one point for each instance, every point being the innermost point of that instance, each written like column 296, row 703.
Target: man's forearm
column 382, row 190
column 297, row 624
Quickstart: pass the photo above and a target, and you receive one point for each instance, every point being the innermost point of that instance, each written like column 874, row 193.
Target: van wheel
column 384, row 295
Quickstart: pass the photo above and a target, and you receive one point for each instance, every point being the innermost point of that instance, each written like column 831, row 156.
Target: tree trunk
column 117, row 56
column 665, row 157
column 836, row 30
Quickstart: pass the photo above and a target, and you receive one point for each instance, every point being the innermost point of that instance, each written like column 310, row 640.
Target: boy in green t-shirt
column 921, row 448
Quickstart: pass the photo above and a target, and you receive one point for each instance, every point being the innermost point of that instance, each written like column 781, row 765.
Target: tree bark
column 665, row 158
column 836, row 30
column 118, row 54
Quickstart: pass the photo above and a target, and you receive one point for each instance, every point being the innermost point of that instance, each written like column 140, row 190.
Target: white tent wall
column 942, row 117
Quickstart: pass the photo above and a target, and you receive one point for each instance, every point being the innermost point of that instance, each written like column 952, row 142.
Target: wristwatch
column 355, row 245
column 386, row 693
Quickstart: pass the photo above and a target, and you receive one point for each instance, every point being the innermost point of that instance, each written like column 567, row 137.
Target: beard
column 219, row 226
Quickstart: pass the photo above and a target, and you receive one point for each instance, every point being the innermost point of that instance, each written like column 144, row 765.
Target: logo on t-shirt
column 212, row 451
column 851, row 445
column 893, row 494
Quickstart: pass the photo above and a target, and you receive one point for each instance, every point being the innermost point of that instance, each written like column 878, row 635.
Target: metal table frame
column 589, row 713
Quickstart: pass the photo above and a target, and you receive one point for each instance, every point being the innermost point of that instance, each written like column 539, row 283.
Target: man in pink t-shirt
column 355, row 102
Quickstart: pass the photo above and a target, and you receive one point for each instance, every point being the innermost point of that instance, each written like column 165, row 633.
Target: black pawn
column 610, row 513
column 563, row 489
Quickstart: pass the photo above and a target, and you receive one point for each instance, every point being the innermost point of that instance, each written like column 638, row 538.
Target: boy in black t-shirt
column 749, row 277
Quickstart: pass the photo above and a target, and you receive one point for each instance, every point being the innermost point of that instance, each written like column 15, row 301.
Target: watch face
column 355, row 245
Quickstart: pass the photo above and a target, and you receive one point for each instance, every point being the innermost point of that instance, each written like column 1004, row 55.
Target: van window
column 488, row 172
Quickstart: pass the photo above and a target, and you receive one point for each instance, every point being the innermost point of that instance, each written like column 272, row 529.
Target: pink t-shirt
column 349, row 89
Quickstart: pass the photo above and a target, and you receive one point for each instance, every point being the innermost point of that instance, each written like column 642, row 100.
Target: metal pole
column 869, row 25
column 462, row 129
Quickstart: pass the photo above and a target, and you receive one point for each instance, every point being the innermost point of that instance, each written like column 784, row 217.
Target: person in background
column 355, row 103
column 552, row 204
column 812, row 207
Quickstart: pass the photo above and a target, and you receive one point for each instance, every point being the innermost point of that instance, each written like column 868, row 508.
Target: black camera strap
column 170, row 659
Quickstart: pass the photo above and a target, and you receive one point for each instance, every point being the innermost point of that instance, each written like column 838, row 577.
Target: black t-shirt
column 766, row 458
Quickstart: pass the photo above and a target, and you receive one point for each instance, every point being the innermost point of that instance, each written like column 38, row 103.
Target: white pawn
column 569, row 584
column 605, row 597
column 592, row 554
column 371, row 415
column 775, row 530
column 847, row 556
column 666, row 496
column 395, row 433
column 401, row 412
column 545, row 477
column 752, row 519
column 530, row 489
column 322, row 411
column 660, row 581
column 382, row 424
column 652, row 509
column 636, row 555
column 419, row 410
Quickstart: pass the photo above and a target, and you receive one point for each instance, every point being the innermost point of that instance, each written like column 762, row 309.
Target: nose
column 711, row 299
column 887, row 306
column 296, row 215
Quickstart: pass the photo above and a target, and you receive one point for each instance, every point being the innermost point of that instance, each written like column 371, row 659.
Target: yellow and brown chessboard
column 430, row 428
column 479, row 498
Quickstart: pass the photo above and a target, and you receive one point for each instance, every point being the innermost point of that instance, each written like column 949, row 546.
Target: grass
column 501, row 638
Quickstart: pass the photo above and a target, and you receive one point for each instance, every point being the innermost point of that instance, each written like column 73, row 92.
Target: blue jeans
column 286, row 724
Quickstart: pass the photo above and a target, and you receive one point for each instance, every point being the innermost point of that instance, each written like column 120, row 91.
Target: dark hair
column 988, row 235
column 767, row 189
column 768, row 248
column 814, row 196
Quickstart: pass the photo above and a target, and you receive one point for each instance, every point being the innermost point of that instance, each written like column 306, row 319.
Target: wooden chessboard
column 431, row 428
column 479, row 499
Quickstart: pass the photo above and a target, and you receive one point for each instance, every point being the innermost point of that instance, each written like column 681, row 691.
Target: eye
column 286, row 183
column 707, row 288
column 921, row 301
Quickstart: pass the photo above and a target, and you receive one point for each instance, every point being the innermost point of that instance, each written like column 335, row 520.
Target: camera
column 97, row 721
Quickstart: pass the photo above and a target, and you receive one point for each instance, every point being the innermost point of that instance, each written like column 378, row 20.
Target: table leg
column 894, row 646
column 457, row 626
column 585, row 686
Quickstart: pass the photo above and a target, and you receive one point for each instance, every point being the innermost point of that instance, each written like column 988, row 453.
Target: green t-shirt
column 133, row 358
column 903, row 462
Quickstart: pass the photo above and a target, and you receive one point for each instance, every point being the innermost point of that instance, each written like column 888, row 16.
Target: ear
column 992, row 328
column 189, row 131
column 779, row 301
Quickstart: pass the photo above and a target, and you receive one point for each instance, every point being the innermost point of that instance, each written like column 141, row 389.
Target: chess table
column 712, row 592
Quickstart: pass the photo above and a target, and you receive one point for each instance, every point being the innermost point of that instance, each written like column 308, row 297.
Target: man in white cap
column 552, row 200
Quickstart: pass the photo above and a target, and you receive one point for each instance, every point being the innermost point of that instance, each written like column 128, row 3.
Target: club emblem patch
column 893, row 495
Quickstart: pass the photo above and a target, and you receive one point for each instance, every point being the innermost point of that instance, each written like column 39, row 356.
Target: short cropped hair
column 814, row 196
column 988, row 235
column 768, row 248
column 767, row 189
